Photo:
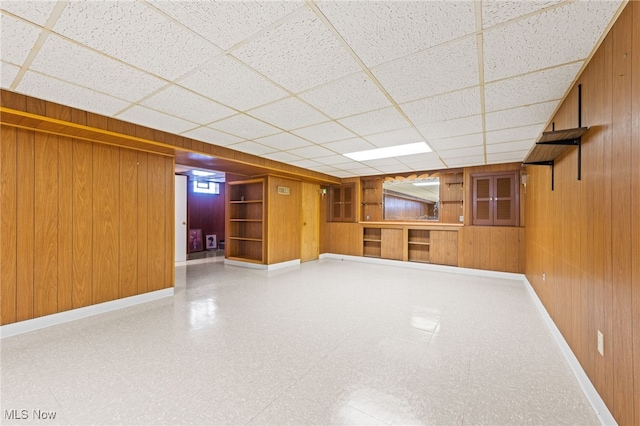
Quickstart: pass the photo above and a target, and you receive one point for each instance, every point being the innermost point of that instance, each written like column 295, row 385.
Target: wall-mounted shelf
column 554, row 143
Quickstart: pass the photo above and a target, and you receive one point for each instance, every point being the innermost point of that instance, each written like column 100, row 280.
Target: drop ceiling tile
column 382, row 30
column 365, row 171
column 288, row 114
column 299, row 54
column 284, row 157
column 524, row 145
column 518, row 117
column 461, row 152
column 226, row 23
column 250, row 147
column 8, row 73
column 450, row 128
column 431, row 72
column 325, row 132
column 557, row 36
column 347, row 96
column 349, row 145
column 343, row 174
column 245, row 127
column 449, row 106
column 515, row 134
column 499, row 11
column 212, row 136
column 229, row 82
column 507, row 157
column 382, row 162
column 400, row 168
column 182, row 103
column 283, row 141
column 50, row 89
column 476, row 160
column 37, row 12
column 136, row 34
column 330, row 170
column 155, row 120
column 305, row 163
column 78, row 65
column 351, row 166
column 333, row 160
column 531, row 88
column 457, row 142
column 382, row 120
column 395, row 137
column 427, row 161
column 17, row 38
column 312, row 151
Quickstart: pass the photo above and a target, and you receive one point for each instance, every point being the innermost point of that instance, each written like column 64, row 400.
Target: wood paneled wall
column 206, row 211
column 81, row 223
column 585, row 236
column 495, row 248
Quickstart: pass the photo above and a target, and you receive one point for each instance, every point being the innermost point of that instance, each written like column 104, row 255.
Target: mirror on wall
column 411, row 199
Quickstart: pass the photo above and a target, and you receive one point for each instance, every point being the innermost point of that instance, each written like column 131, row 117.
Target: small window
column 203, row 187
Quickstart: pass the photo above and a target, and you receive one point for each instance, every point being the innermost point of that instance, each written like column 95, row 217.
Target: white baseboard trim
column 76, row 314
column 598, row 405
column 261, row 266
column 603, row 413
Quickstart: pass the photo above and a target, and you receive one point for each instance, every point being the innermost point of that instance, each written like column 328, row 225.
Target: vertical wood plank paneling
column 169, row 261
column 82, row 224
column 25, row 223
column 65, row 224
column 156, row 213
column 498, row 249
column 106, row 249
column 621, row 206
column 635, row 209
column 128, row 230
column 143, row 222
column 45, row 276
column 8, row 221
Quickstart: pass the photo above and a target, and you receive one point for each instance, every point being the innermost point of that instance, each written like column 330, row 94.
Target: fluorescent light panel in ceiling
column 391, row 151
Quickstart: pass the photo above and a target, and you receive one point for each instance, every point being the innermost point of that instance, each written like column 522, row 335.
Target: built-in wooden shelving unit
column 245, row 234
column 419, row 245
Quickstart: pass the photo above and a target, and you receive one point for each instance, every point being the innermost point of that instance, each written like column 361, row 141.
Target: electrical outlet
column 544, row 277
column 600, row 342
column 461, row 218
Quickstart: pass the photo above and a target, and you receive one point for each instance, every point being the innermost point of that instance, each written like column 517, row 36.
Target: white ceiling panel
column 17, row 38
column 182, row 103
column 226, row 23
column 245, row 127
column 428, row 158
column 348, row 96
column 325, row 132
column 518, row 117
column 392, row 168
column 229, row 82
column 557, row 36
column 524, row 145
column 250, row 147
column 283, row 141
column 88, row 68
column 433, row 164
column 37, row 12
column 382, row 162
column 311, row 152
column 156, row 120
column 515, row 134
column 333, row 160
column 457, row 142
column 349, row 145
column 351, row 166
column 467, row 151
column 306, row 163
column 136, row 34
column 476, row 160
column 450, row 128
column 284, row 157
column 330, row 170
column 289, row 114
column 299, row 55
column 449, row 106
column 380, row 31
column 506, row 157
column 499, row 11
column 382, row 120
column 212, row 136
column 61, row 92
column 438, row 70
column 531, row 88
column 343, row 174
column 395, row 137
column 8, row 73
column 364, row 171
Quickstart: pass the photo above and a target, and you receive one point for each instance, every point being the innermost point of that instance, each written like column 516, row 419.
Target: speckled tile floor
column 329, row 342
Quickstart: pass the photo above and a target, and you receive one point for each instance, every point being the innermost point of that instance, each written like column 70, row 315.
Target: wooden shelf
column 245, row 226
column 246, row 239
column 418, row 244
column 245, row 202
column 245, row 220
column 368, row 240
